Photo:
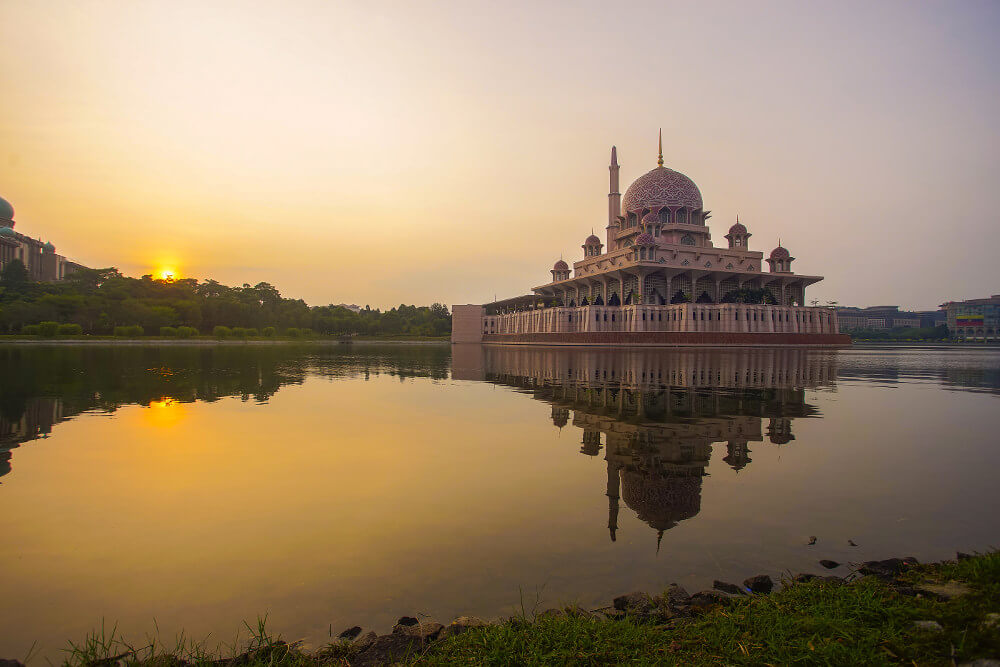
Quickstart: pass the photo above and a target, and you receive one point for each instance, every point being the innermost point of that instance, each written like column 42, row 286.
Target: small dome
column 738, row 228
column 560, row 266
column 592, row 240
column 6, row 210
column 650, row 219
column 7, row 231
column 48, row 246
column 780, row 253
column 661, row 188
column 645, row 239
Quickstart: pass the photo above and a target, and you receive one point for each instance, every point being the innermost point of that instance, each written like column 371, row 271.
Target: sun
column 167, row 273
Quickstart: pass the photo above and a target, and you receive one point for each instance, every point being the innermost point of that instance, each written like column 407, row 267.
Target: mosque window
column 687, row 239
column 681, row 215
column 729, row 266
column 685, row 263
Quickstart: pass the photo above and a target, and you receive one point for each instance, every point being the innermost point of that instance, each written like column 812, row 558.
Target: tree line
column 104, row 301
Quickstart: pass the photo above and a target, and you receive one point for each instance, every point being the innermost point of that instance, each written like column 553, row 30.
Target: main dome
column 659, row 188
column 6, row 210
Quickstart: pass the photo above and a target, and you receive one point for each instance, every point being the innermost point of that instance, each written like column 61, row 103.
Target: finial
column 614, row 156
column 737, row 218
column 659, row 160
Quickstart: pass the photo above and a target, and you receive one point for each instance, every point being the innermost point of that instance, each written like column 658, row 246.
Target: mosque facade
column 657, row 278
column 39, row 257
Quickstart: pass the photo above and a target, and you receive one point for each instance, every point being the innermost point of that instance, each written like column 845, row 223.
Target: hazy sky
column 416, row 152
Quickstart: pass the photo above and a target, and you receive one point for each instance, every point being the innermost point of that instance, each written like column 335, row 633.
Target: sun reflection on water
column 164, row 413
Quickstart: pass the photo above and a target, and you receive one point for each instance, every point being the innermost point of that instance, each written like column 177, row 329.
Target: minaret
column 614, row 201
column 613, row 495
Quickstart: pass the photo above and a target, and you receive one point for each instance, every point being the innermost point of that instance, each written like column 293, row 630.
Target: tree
column 14, row 277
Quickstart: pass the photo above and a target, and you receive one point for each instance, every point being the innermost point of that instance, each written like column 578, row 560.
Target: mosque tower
column 614, row 201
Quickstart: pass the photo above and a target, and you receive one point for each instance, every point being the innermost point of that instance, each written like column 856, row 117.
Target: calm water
column 329, row 487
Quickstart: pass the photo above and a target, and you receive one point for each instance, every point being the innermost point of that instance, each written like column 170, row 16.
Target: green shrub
column 169, row 332
column 186, row 332
column 48, row 328
column 222, row 332
column 293, row 332
column 270, row 332
column 31, row 330
column 252, row 332
column 239, row 332
column 70, row 330
column 308, row 333
column 132, row 331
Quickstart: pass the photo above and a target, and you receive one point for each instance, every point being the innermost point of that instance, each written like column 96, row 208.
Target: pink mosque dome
column 738, row 228
column 661, row 188
column 645, row 239
column 592, row 240
column 650, row 219
column 780, row 253
column 560, row 266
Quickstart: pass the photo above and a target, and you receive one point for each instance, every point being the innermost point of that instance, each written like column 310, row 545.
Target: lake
column 196, row 487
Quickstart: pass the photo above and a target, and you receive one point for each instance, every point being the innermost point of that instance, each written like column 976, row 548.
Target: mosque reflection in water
column 657, row 414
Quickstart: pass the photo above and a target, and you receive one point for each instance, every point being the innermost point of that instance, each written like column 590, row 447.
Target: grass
column 867, row 621
column 813, row 623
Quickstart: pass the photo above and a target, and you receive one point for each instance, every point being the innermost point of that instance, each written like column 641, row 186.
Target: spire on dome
column 659, row 160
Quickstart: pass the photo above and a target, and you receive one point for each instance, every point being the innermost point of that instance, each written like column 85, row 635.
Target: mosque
column 658, row 279
column 39, row 257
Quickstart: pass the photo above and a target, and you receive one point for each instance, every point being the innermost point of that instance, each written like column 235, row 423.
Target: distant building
column 38, row 256
column 932, row 318
column 876, row 317
column 974, row 319
column 354, row 308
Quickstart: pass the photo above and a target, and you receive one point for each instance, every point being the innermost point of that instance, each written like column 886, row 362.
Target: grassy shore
column 862, row 620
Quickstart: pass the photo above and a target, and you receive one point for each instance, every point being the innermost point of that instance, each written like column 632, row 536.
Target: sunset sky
column 414, row 152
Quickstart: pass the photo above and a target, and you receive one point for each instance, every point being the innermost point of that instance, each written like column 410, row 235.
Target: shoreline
column 204, row 342
column 893, row 611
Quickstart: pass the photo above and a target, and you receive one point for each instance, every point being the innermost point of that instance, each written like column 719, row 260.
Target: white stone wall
column 726, row 317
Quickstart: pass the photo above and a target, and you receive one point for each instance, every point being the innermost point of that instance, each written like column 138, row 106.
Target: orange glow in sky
column 417, row 152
